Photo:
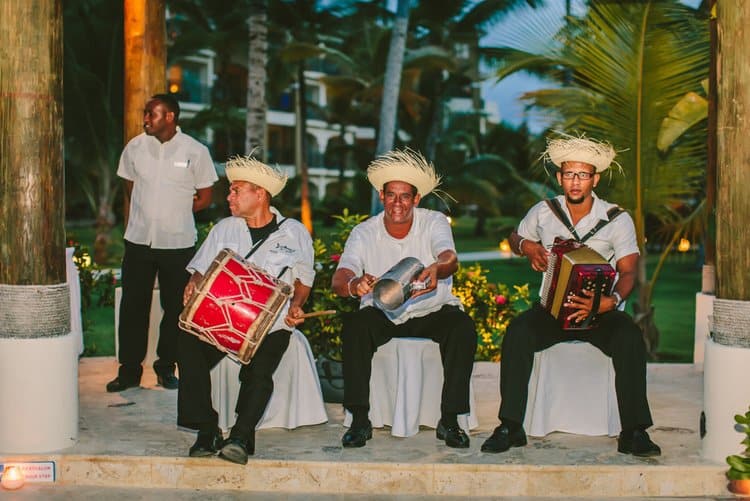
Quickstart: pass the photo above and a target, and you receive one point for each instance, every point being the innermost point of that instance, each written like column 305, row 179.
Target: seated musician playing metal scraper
column 373, row 247
column 580, row 215
column 283, row 248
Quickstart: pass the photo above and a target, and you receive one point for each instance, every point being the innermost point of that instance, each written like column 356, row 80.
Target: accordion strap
column 556, row 208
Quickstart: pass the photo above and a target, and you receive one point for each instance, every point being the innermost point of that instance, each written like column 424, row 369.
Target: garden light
column 12, row 478
column 505, row 246
column 684, row 245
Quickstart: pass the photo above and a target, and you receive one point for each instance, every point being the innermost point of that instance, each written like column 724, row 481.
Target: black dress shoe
column 207, row 444
column 167, row 381
column 121, row 384
column 236, row 450
column 454, row 436
column 637, row 443
column 503, row 439
column 357, row 437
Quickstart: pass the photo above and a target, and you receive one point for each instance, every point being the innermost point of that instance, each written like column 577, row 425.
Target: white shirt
column 165, row 177
column 614, row 241
column 286, row 254
column 371, row 249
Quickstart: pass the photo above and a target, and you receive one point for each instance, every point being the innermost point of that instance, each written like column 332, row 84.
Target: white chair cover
column 572, row 389
column 74, row 283
column 296, row 400
column 406, row 388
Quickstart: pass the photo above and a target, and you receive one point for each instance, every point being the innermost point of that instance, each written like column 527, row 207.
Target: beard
column 574, row 201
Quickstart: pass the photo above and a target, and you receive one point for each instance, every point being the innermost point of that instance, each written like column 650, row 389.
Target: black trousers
column 616, row 335
column 197, row 358
column 367, row 329
column 140, row 266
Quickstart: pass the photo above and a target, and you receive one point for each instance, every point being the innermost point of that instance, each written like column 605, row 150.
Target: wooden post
column 145, row 63
column 32, row 202
column 733, row 151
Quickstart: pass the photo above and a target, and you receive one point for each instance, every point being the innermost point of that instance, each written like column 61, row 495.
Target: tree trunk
column 255, row 133
column 300, row 148
column 391, row 88
column 145, row 35
column 733, row 152
column 32, row 204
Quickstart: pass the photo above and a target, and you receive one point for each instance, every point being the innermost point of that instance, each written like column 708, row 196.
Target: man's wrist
column 520, row 247
column 618, row 299
column 349, row 286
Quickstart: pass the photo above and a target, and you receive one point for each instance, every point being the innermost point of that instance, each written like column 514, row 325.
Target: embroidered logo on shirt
column 282, row 248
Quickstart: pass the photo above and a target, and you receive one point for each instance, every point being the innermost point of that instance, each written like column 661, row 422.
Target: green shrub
column 491, row 306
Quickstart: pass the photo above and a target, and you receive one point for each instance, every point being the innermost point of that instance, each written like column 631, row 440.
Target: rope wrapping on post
column 730, row 323
column 34, row 311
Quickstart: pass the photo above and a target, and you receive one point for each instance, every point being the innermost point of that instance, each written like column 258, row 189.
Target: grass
column 674, row 295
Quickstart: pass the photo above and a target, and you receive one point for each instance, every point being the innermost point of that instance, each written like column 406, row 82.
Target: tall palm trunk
column 300, row 147
column 391, row 87
column 257, row 23
column 145, row 35
column 32, row 205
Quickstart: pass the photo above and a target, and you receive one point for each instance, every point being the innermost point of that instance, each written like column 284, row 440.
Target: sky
column 518, row 24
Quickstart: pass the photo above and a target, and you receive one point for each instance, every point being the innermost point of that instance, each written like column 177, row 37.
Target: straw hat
column 580, row 149
column 407, row 166
column 248, row 169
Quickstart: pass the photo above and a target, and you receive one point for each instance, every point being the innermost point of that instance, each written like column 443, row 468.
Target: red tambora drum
column 234, row 306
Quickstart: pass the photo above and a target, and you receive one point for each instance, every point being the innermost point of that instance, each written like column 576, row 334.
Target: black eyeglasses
column 582, row 175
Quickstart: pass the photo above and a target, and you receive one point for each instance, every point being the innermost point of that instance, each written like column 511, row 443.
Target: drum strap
column 557, row 210
column 257, row 244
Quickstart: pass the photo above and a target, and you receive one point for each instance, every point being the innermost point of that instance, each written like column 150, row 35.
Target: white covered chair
column 572, row 389
column 406, row 388
column 296, row 400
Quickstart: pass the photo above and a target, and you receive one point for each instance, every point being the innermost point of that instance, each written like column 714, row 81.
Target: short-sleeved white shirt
column 614, row 241
column 371, row 249
column 286, row 254
column 165, row 177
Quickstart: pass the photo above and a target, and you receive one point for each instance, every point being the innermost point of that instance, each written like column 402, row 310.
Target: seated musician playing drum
column 280, row 246
column 577, row 212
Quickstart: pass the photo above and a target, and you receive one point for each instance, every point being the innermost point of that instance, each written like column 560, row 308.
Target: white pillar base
column 725, row 393
column 704, row 306
column 39, row 392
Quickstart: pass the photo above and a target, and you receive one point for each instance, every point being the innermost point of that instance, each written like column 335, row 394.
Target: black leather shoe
column 121, row 384
column 357, row 437
column 503, row 439
column 168, row 381
column 454, row 436
column 637, row 443
column 236, row 450
column 207, row 444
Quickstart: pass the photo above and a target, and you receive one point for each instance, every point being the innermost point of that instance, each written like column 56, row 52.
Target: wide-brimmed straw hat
column 246, row 168
column 407, row 166
column 580, row 149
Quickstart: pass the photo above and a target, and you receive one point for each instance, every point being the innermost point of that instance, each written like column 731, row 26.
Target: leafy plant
column 491, row 306
column 739, row 464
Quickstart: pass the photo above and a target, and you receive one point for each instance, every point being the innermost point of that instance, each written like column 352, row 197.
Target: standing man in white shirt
column 577, row 214
column 373, row 247
column 169, row 176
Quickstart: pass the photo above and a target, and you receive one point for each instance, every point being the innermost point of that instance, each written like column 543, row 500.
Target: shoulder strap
column 611, row 214
column 554, row 206
column 257, row 244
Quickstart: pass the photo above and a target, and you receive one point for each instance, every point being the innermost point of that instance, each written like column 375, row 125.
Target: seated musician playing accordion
column 581, row 216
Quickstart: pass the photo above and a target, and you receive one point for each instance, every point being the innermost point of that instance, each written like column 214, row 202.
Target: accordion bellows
column 571, row 268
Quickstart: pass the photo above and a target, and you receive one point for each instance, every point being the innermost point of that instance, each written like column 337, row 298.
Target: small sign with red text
column 34, row 471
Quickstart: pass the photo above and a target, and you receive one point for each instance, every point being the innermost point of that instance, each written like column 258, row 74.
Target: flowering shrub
column 491, row 306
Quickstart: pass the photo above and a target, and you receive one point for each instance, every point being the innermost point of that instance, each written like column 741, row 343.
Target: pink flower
column 500, row 299
column 335, row 257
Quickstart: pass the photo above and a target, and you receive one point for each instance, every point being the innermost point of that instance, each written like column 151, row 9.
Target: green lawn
column 674, row 296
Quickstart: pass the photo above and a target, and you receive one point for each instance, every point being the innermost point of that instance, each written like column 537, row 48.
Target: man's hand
column 429, row 277
column 363, row 285
column 536, row 254
column 190, row 287
column 293, row 316
column 585, row 302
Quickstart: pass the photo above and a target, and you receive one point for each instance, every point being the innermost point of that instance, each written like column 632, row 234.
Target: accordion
column 571, row 268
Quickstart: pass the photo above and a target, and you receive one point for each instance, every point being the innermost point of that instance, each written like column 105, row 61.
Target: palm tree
column 628, row 64
column 257, row 58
